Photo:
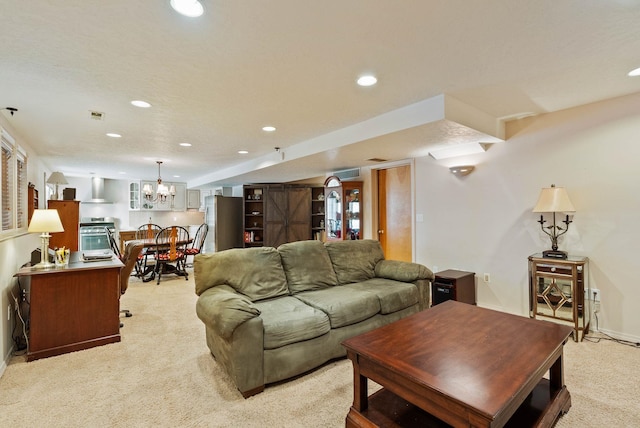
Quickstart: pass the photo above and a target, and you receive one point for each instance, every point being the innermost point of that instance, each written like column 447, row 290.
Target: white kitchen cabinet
column 134, row 195
column 193, row 199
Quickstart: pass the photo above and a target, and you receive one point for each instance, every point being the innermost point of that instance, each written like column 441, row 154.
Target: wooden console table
column 72, row 308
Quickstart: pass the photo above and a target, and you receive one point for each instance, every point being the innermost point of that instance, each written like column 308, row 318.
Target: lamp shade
column 554, row 199
column 44, row 221
column 57, row 178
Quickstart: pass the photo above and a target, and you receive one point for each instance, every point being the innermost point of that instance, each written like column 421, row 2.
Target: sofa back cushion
column 255, row 272
column 307, row 266
column 354, row 261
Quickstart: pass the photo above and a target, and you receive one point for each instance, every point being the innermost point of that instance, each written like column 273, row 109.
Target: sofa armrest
column 223, row 309
column 403, row 271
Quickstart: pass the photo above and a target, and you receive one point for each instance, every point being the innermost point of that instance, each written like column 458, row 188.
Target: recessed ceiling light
column 367, row 80
column 269, row 128
column 243, row 152
column 176, row 176
column 122, row 172
column 634, row 73
column 141, row 104
column 190, row 8
column 185, row 144
column 113, row 135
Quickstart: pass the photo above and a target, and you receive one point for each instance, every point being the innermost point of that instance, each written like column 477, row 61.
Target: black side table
column 453, row 284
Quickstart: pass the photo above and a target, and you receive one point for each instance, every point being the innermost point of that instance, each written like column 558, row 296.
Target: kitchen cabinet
column 193, row 199
column 343, row 209
column 69, row 212
column 134, row 195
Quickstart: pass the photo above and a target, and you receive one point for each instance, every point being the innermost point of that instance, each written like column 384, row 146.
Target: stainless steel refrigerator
column 223, row 214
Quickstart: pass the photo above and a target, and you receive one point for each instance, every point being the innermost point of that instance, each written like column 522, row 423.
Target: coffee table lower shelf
column 540, row 409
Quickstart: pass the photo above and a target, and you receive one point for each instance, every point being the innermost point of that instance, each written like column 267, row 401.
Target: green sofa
column 271, row 314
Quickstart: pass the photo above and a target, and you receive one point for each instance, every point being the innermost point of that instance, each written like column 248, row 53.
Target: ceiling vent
column 347, row 173
column 377, row 160
column 96, row 115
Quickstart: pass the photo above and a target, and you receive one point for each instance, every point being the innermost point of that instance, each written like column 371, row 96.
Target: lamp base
column 44, row 265
column 554, row 254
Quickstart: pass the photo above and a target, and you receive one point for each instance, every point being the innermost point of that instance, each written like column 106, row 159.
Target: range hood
column 97, row 192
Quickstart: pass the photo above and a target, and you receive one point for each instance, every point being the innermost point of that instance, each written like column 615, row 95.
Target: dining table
column 149, row 272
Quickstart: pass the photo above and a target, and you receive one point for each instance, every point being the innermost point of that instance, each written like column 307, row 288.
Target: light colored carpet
column 162, row 375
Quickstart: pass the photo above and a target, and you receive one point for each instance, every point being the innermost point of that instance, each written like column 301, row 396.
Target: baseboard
column 3, row 364
column 616, row 335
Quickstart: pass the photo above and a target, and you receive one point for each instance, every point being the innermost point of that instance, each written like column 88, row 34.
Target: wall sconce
column 461, row 171
column 552, row 200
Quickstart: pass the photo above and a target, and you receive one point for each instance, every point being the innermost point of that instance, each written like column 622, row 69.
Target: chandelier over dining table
column 163, row 192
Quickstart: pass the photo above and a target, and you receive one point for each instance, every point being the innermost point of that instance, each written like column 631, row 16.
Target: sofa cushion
column 344, row 306
column 223, row 310
column 392, row 295
column 255, row 272
column 307, row 266
column 288, row 320
column 354, row 261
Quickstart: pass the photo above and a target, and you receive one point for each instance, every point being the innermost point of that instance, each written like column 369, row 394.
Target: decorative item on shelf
column 162, row 192
column 45, row 222
column 552, row 200
column 57, row 178
column 461, row 171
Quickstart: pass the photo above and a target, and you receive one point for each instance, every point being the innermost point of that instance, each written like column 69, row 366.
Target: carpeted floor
column 162, row 375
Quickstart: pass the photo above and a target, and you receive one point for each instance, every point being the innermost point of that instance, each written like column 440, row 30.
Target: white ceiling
column 214, row 81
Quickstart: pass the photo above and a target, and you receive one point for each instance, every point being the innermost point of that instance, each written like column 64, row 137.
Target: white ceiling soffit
column 440, row 121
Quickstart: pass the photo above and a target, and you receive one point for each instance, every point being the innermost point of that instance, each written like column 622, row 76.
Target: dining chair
column 170, row 251
column 130, row 258
column 113, row 243
column 145, row 263
column 198, row 241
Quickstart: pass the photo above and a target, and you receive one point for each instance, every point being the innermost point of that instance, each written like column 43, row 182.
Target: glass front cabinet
column 343, row 209
column 559, row 292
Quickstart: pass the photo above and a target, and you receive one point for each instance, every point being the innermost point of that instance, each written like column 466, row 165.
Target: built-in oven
column 93, row 232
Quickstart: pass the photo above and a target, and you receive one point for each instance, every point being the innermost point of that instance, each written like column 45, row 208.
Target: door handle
column 380, row 232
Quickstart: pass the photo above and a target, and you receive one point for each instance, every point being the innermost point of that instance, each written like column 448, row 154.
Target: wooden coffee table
column 460, row 365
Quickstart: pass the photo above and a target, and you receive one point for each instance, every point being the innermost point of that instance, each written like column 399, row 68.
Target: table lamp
column 552, row 200
column 45, row 222
column 57, row 178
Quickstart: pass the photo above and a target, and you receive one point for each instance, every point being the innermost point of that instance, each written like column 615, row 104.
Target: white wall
column 15, row 250
column 483, row 222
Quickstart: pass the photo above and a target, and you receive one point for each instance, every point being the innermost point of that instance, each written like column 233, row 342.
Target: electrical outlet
column 487, row 277
column 595, row 295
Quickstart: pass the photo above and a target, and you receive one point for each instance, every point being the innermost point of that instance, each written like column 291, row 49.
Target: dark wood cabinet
column 32, row 200
column 253, row 212
column 287, row 215
column 455, row 285
column 277, row 213
column 69, row 212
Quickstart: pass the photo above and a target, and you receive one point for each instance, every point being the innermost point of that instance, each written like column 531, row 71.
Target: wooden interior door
column 394, row 213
